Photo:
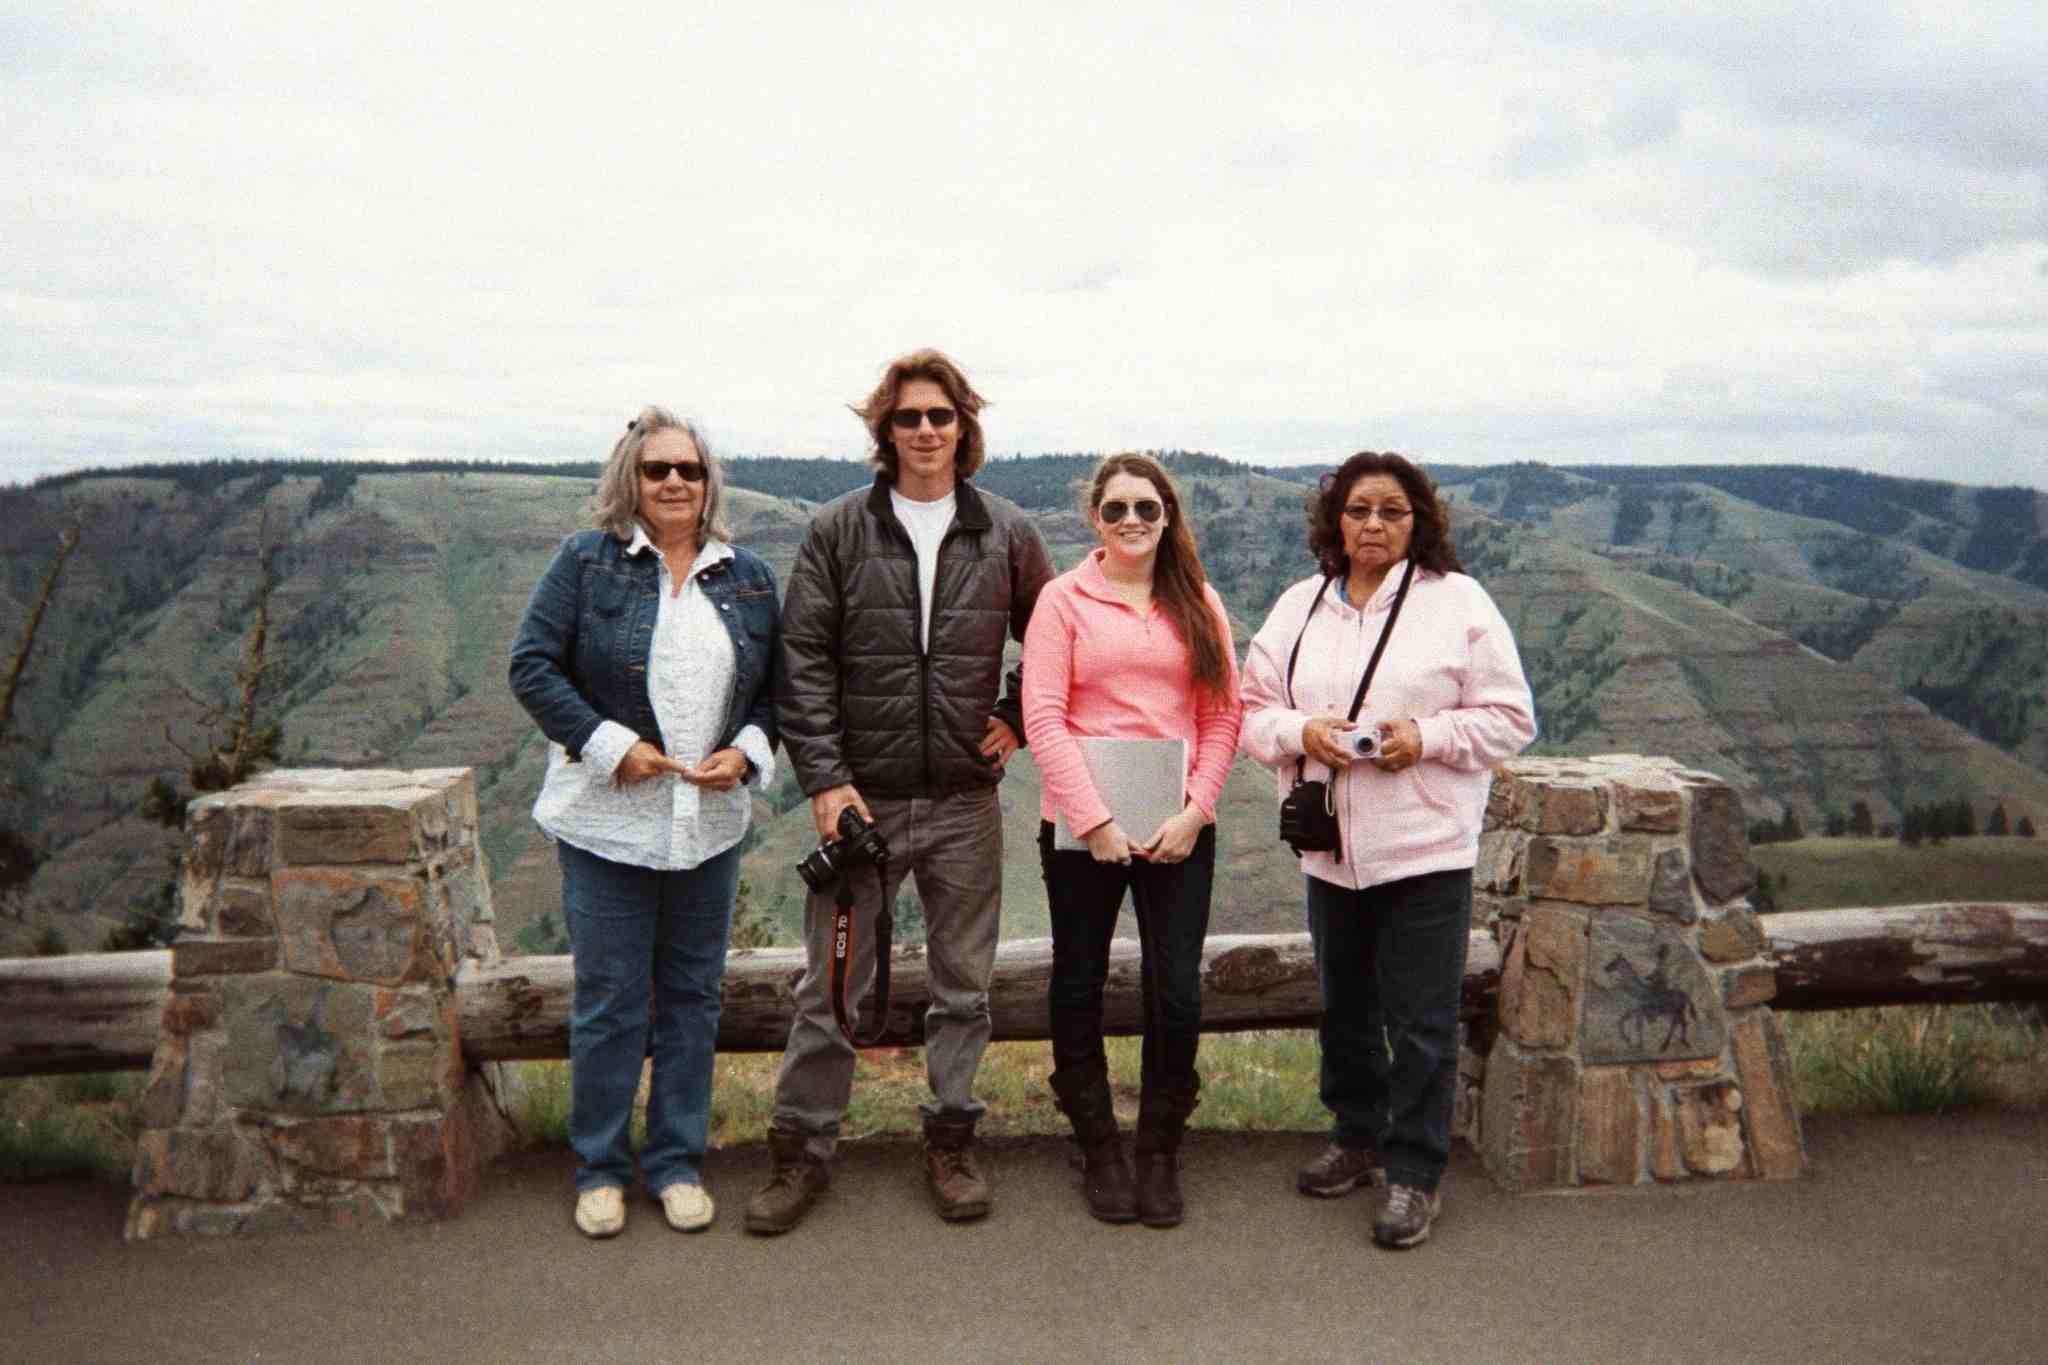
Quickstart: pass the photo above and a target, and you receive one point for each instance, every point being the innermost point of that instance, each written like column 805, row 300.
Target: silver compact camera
column 1365, row 743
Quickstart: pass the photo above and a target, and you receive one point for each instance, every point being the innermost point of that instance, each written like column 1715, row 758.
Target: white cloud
column 1549, row 230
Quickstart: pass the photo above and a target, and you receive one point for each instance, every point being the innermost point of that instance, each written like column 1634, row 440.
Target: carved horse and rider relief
column 1652, row 998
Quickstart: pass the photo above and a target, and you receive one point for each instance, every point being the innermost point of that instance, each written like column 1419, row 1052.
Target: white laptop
column 1144, row 782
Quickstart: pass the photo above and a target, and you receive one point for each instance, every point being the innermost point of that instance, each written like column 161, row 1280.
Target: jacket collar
column 712, row 551
column 969, row 511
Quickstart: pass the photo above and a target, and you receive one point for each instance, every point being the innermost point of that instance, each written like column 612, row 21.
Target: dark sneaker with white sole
column 1339, row 1170
column 1406, row 1218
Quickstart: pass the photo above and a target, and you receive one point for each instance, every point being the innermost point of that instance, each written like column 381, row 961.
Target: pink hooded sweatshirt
column 1450, row 666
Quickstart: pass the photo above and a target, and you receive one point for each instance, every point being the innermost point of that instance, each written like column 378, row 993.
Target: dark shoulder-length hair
column 939, row 368
column 1177, row 577
column 1429, row 544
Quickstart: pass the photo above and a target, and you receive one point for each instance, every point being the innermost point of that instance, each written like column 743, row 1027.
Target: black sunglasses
column 657, row 471
column 906, row 419
column 1113, row 511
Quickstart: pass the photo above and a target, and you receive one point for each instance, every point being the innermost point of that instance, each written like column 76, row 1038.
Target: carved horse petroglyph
column 1654, row 998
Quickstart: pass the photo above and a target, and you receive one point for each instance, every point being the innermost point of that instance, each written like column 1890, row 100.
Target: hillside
column 1812, row 661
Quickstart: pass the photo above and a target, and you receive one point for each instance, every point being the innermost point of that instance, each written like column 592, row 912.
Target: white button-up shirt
column 663, row 822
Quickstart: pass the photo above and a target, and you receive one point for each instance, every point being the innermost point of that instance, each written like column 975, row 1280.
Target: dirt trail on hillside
column 1913, row 1239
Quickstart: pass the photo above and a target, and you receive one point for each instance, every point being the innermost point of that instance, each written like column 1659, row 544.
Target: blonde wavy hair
column 615, row 505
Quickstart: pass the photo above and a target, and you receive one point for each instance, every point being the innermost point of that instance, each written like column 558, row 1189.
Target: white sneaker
column 601, row 1212
column 688, row 1208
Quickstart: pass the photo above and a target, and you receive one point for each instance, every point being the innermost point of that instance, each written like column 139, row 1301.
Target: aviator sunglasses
column 657, row 471
column 1147, row 509
column 906, row 419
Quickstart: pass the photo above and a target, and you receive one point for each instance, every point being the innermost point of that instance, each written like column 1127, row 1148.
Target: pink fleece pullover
column 1094, row 666
column 1450, row 666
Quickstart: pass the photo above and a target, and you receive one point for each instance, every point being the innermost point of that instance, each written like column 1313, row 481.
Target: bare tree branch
column 67, row 541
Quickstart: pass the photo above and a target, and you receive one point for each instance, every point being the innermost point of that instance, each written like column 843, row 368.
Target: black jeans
column 1172, row 904
column 1391, row 963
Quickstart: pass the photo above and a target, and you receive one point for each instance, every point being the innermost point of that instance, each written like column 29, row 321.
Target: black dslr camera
column 859, row 843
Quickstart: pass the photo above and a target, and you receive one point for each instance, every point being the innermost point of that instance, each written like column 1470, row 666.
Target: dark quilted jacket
column 859, row 701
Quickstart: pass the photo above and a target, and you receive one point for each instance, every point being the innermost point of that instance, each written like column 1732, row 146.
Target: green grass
column 1825, row 873
column 1250, row 1082
column 69, row 1126
column 1918, row 1059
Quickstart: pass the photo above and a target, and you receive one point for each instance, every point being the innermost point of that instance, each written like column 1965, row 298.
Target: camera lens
column 1365, row 743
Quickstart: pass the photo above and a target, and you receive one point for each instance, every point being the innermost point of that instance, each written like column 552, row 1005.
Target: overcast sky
column 1571, row 232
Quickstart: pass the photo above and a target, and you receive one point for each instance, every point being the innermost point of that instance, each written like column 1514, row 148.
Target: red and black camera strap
column 842, row 957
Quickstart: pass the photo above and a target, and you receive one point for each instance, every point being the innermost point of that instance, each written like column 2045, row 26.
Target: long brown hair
column 937, row 367
column 1177, row 576
column 1429, row 545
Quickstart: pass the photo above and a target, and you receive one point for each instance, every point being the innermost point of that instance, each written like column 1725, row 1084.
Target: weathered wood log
column 1909, row 955
column 84, row 1012
column 519, row 1007
column 101, row 1011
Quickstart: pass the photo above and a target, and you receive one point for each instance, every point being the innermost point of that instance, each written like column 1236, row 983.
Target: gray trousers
column 953, row 846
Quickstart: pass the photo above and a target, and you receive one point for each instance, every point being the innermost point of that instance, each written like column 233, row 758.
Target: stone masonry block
column 1649, row 801
column 1667, row 1145
column 1612, row 1128
column 243, row 910
column 1733, row 935
column 1710, row 1126
column 1504, row 801
column 1671, row 887
column 252, row 840
column 1570, row 807
column 1499, row 866
column 1648, row 996
column 219, row 1164
column 347, row 829
column 1529, row 1118
column 193, row 1005
column 353, row 927
column 163, row 1094
column 299, row 1045
column 1770, row 1115
column 1539, row 1000
column 1720, row 843
column 350, row 1145
column 1754, row 984
column 222, row 957
column 1608, row 871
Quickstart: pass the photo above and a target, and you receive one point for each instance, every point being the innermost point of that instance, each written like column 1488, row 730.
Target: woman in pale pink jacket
column 1390, row 908
column 1131, row 643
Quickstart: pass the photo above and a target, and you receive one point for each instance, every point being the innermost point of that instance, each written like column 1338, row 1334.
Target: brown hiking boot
column 956, row 1180
column 799, row 1178
column 1338, row 1170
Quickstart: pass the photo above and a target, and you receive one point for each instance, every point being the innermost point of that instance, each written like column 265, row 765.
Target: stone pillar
column 309, row 1071
column 1635, row 1042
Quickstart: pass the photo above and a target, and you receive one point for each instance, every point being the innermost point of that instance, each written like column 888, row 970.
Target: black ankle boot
column 1085, row 1099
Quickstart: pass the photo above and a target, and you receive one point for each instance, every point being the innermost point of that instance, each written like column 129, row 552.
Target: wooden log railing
column 100, row 1011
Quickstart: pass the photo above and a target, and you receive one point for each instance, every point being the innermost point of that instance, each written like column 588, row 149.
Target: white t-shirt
column 927, row 523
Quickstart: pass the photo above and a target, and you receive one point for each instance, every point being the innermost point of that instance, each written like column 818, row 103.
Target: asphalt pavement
column 1912, row 1239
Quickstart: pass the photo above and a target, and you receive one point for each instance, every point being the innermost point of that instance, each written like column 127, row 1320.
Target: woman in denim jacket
column 647, row 657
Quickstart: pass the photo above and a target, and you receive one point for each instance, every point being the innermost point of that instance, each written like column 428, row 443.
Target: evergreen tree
column 1789, row 829
column 1996, row 824
column 1837, row 824
column 2025, row 828
column 1860, row 823
column 1912, row 827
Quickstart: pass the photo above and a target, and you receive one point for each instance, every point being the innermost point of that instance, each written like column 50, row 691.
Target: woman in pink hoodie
column 1130, row 643
column 1389, row 908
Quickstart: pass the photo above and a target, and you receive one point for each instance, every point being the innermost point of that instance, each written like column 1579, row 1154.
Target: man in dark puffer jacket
column 893, row 704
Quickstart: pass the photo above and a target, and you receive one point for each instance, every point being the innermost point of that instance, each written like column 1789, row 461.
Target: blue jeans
column 1391, row 963
column 639, row 936
column 1171, row 904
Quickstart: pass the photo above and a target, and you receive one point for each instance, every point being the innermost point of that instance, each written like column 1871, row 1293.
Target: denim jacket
column 580, row 657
